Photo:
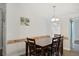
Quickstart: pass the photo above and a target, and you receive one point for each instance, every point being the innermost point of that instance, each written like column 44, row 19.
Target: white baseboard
column 67, row 49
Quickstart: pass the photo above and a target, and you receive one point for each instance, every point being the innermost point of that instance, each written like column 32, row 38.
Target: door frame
column 3, row 33
column 70, row 30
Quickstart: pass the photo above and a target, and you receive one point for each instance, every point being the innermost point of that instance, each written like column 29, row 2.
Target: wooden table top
column 42, row 40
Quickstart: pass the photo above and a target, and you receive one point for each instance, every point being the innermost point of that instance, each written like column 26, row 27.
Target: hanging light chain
column 54, row 15
column 54, row 11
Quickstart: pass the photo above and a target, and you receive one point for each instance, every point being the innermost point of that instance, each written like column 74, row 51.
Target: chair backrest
column 56, row 42
column 61, row 38
column 31, row 44
column 57, row 35
column 61, row 41
column 30, row 40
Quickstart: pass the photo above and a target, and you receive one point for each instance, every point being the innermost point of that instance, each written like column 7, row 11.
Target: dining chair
column 61, row 45
column 55, row 46
column 34, row 50
column 53, row 49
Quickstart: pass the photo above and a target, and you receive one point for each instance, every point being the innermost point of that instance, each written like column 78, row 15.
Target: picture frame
column 24, row 21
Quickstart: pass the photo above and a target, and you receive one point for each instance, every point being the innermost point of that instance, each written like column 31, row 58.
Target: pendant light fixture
column 54, row 19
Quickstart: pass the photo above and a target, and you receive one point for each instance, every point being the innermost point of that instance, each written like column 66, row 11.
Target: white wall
column 12, row 21
column 36, row 15
column 15, row 30
column 12, row 27
column 39, row 15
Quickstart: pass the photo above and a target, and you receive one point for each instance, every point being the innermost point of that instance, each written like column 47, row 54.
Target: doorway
column 75, row 34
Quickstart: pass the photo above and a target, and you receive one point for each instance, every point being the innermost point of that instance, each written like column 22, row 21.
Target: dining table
column 41, row 41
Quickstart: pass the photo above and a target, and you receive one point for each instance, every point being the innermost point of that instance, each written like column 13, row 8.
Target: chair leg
column 26, row 49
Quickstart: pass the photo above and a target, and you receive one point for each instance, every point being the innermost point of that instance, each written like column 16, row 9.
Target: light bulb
column 53, row 19
column 57, row 19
